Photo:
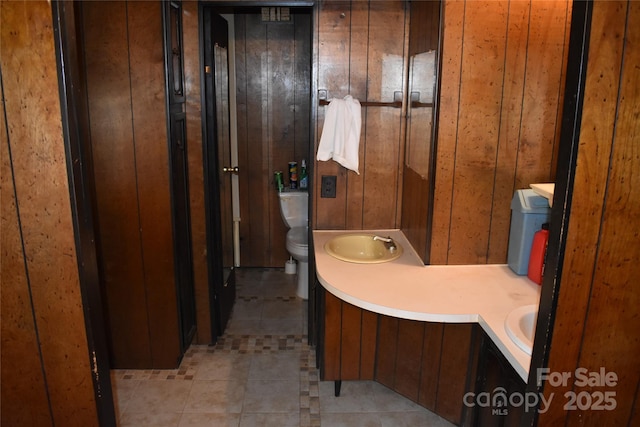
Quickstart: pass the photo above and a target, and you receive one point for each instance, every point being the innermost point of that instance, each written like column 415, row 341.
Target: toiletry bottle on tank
column 304, row 179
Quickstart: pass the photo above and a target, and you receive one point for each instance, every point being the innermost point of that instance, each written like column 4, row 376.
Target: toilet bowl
column 294, row 207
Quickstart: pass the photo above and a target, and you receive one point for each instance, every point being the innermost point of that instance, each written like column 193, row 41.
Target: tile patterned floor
column 260, row 373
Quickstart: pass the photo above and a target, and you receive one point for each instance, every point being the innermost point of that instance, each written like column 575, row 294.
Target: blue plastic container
column 528, row 212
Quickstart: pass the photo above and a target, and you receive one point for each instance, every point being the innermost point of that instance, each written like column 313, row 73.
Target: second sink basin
column 361, row 248
column 520, row 325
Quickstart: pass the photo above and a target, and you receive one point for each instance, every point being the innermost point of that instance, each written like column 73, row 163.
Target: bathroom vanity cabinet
column 432, row 364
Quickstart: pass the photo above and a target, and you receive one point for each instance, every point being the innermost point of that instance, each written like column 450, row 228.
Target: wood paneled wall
column 125, row 85
column 273, row 75
column 501, row 92
column 361, row 51
column 46, row 373
column 500, row 105
column 596, row 320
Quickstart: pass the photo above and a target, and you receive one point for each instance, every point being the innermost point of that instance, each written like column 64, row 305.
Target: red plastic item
column 538, row 253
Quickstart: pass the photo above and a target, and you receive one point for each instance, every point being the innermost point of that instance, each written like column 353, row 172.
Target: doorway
column 271, row 67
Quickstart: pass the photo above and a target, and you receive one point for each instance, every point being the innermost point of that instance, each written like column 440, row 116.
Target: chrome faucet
column 388, row 242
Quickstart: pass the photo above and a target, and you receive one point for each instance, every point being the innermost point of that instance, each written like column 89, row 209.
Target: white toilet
column 294, row 207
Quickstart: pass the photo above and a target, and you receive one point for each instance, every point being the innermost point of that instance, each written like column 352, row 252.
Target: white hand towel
column 340, row 138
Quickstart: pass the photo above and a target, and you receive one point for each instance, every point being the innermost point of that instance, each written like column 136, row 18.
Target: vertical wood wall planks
column 454, row 14
column 303, row 23
column 253, row 102
column 478, row 123
column 361, row 53
column 387, row 350
column 431, row 350
column 351, row 332
column 120, row 249
column 359, row 39
column 543, row 85
column 611, row 334
column 501, row 89
column 456, row 345
column 144, row 20
column 281, row 66
column 333, row 50
column 587, row 332
column 382, row 143
column 583, row 235
column 408, row 369
column 511, row 116
column 44, row 258
column 273, row 78
column 126, row 97
column 368, row 344
column 332, row 341
column 20, row 347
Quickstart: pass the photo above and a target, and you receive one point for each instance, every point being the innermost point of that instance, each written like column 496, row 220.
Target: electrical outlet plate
column 328, row 186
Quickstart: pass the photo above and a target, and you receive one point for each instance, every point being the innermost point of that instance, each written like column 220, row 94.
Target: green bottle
column 304, row 178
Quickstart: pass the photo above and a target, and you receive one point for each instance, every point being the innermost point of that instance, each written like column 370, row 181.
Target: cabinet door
column 498, row 379
column 348, row 342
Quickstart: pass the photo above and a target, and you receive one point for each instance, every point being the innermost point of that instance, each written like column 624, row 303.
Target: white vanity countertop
column 406, row 288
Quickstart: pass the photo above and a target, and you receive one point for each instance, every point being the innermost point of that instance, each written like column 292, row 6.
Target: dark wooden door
column 219, row 170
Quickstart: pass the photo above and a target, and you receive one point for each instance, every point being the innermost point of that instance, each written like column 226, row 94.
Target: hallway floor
column 260, row 373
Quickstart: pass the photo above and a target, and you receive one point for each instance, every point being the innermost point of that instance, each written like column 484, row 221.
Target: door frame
column 211, row 160
column 75, row 128
column 210, row 172
column 179, row 167
column 576, row 72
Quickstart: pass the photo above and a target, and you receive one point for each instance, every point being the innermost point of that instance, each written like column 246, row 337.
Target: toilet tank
column 294, row 207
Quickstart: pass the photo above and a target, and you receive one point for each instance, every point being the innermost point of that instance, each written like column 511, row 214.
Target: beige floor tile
column 261, row 373
column 247, row 309
column 209, row 420
column 386, row 399
column 123, row 391
column 268, row 396
column 224, row 367
column 279, row 309
column 275, row 366
column 270, row 420
column 159, row 396
column 279, row 327
column 216, row 397
column 150, row 419
column 350, row 419
column 355, row 397
column 413, row 419
column 243, row 327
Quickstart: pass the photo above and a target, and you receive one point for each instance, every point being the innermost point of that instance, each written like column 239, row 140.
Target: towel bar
column 396, row 103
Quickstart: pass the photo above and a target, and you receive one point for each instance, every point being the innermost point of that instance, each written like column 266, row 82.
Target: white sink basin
column 362, row 248
column 520, row 325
